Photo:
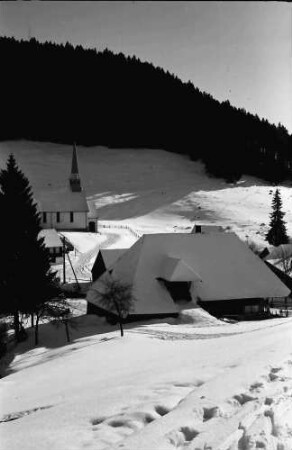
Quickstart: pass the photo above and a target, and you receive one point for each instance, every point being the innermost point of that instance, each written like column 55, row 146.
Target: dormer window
column 179, row 290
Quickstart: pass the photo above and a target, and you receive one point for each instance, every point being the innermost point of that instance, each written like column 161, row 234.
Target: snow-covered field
column 196, row 383
column 201, row 385
column 152, row 190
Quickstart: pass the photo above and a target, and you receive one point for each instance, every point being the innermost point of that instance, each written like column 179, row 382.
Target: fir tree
column 277, row 233
column 26, row 279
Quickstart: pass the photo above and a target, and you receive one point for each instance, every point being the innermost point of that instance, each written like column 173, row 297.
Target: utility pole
column 76, row 279
column 64, row 265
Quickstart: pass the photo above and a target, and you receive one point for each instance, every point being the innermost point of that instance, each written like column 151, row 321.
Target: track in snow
column 261, row 417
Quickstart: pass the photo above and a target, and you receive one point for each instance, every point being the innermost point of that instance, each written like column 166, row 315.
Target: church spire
column 74, row 180
column 74, row 166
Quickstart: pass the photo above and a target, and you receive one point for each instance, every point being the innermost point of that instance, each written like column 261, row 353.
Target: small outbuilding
column 53, row 243
column 203, row 229
column 172, row 272
column 104, row 261
column 92, row 217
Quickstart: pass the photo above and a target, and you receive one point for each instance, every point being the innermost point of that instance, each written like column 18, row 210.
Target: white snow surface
column 151, row 190
column 172, row 385
column 194, row 383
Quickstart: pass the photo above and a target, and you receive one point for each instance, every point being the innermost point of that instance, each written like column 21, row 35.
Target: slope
column 152, row 190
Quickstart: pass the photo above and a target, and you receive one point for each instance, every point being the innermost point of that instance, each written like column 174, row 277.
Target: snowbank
column 198, row 317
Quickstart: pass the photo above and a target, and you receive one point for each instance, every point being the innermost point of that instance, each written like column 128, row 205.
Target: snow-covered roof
column 175, row 269
column 110, row 255
column 283, row 251
column 228, row 268
column 51, row 238
column 62, row 200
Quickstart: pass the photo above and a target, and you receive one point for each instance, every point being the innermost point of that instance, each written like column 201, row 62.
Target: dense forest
column 61, row 93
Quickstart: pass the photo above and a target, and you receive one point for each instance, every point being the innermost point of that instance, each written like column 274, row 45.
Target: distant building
column 92, row 217
column 207, row 229
column 104, row 261
column 65, row 209
column 53, row 243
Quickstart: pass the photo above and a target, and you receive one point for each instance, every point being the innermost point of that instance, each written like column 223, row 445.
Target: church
column 67, row 208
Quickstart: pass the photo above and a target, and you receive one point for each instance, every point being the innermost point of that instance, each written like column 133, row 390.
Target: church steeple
column 74, row 180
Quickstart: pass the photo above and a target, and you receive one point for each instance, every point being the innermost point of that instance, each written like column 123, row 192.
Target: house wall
column 236, row 307
column 56, row 255
column 113, row 318
column 79, row 221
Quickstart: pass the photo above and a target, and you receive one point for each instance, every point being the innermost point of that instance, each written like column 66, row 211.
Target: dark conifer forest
column 61, row 93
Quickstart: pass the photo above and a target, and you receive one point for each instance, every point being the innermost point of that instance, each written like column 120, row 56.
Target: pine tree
column 26, row 279
column 277, row 233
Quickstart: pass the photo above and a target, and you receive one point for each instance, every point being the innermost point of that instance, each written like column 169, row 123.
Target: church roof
column 74, row 165
column 62, row 200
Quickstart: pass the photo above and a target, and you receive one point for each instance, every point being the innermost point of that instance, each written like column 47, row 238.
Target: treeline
column 62, row 93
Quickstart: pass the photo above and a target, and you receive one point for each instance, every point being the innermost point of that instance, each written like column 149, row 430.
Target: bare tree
column 60, row 313
column 117, row 297
column 285, row 260
column 57, row 311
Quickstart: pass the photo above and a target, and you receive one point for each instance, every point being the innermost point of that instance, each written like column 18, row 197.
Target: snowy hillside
column 164, row 386
column 195, row 383
column 152, row 190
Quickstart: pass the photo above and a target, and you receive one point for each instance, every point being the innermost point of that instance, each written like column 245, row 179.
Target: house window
column 44, row 217
column 251, row 309
column 58, row 251
column 58, row 217
column 71, row 217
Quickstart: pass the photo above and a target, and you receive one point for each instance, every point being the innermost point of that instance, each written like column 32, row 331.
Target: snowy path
column 82, row 266
column 141, row 392
column 88, row 245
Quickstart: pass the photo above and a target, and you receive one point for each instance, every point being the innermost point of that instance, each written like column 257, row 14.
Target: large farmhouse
column 171, row 272
column 65, row 209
